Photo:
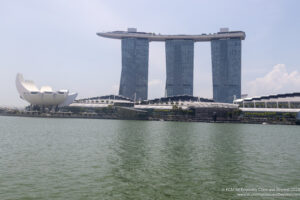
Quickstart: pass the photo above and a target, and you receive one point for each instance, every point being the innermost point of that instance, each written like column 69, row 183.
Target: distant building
column 103, row 101
column 178, row 98
column 183, row 102
column 180, row 67
column 279, row 101
column 134, row 75
column 226, row 62
column 45, row 96
column 226, row 69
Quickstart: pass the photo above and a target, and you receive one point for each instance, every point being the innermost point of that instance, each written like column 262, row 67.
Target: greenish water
column 113, row 159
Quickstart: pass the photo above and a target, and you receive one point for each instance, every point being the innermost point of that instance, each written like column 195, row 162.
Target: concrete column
column 226, row 69
column 134, row 75
column 180, row 67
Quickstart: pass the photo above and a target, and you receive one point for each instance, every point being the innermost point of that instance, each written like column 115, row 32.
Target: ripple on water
column 112, row 159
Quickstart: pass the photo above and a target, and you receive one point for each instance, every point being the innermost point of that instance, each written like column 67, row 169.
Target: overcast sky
column 54, row 43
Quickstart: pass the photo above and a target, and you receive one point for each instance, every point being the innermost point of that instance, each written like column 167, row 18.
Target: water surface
column 42, row 158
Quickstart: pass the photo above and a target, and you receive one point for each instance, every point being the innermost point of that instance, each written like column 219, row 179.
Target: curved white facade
column 44, row 96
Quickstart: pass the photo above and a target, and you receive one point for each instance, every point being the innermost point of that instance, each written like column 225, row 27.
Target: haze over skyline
column 55, row 43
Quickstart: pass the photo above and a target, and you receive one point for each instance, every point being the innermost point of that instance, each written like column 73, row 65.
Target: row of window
column 270, row 105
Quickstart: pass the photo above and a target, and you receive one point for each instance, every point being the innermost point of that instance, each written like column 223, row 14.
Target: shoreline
column 169, row 117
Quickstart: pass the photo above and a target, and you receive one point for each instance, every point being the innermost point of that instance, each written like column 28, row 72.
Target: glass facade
column 226, row 69
column 180, row 67
column 134, row 75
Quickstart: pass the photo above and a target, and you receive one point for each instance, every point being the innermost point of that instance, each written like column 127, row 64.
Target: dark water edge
column 247, row 117
column 47, row 158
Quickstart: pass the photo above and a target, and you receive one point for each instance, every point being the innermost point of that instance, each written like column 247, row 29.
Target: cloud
column 278, row 80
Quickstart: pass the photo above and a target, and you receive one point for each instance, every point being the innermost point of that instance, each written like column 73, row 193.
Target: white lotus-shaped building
column 44, row 96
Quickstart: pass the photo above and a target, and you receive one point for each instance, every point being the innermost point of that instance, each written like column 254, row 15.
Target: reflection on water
column 111, row 159
column 227, row 155
column 128, row 159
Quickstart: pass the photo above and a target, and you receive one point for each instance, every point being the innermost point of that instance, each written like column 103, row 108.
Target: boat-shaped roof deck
column 159, row 37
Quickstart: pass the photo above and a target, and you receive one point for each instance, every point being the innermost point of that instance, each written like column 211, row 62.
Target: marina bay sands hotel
column 225, row 55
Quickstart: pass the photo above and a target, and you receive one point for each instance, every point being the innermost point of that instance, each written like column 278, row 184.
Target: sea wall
column 288, row 118
column 202, row 114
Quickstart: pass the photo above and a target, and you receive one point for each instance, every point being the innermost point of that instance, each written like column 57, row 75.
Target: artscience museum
column 44, row 97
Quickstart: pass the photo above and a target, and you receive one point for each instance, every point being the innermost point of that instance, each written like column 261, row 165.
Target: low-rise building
column 279, row 102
